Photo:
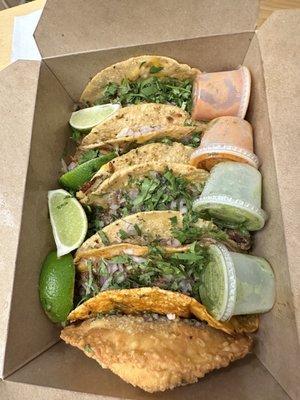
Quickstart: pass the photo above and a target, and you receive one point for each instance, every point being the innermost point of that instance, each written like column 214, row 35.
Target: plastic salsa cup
column 222, row 93
column 236, row 284
column 225, row 139
column 232, row 196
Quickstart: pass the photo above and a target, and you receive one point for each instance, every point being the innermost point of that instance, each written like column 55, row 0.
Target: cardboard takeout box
column 76, row 40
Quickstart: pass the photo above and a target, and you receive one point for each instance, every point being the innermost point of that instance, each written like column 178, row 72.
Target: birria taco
column 142, row 123
column 148, row 78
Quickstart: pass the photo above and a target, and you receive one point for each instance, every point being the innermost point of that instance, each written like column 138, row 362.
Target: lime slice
column 87, row 118
column 68, row 220
column 56, row 286
column 75, row 178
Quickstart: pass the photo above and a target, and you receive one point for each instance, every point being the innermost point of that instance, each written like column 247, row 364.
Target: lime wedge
column 87, row 118
column 56, row 286
column 75, row 178
column 68, row 220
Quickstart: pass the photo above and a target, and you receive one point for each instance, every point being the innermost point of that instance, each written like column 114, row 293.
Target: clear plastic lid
column 224, row 93
column 236, row 284
column 228, row 131
column 218, row 289
column 232, row 194
column 224, row 152
column 246, row 77
column 233, row 211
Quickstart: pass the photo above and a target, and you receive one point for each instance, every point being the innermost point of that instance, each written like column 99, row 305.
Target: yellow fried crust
column 155, row 300
column 159, row 354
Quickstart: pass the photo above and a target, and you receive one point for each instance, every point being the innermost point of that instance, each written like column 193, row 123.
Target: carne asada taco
column 130, row 82
column 142, row 123
column 146, row 187
column 133, row 279
column 163, row 228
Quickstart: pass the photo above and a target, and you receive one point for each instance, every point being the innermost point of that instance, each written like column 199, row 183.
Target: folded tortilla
column 140, row 299
column 101, row 196
column 151, row 152
column 152, row 227
column 133, row 69
column 141, row 123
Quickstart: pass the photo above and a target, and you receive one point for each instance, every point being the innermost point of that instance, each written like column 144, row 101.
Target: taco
column 142, row 123
column 148, row 78
column 152, row 152
column 145, row 187
column 163, row 228
column 133, row 279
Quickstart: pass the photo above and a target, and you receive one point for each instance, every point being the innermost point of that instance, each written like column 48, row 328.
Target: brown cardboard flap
column 243, row 379
column 29, row 330
column 17, row 101
column 280, row 49
column 223, row 51
column 86, row 25
column 277, row 344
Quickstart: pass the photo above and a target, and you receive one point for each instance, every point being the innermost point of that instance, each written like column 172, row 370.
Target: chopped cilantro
column 137, row 229
column 150, row 90
column 76, row 135
column 87, row 348
column 166, row 140
column 154, row 191
column 174, row 220
column 190, row 231
column 193, row 140
column 122, row 234
column 179, row 271
column 104, row 238
column 154, row 69
column 111, row 89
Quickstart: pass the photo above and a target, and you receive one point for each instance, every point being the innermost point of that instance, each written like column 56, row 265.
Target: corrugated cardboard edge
column 17, row 103
column 103, row 24
column 281, row 60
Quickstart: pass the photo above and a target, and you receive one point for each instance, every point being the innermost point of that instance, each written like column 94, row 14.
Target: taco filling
column 180, row 272
column 150, row 90
column 153, row 191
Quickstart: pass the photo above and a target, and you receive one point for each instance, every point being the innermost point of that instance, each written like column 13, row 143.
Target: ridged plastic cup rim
column 230, row 201
column 230, row 284
column 248, row 156
column 246, row 78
